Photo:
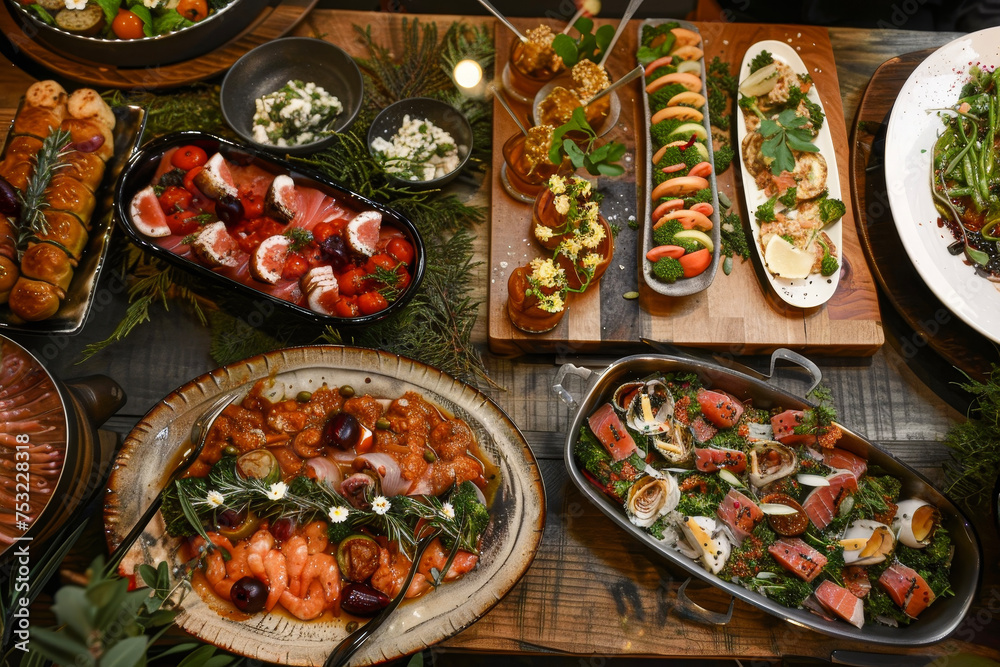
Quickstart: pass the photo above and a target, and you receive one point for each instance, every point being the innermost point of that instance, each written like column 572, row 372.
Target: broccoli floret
column 659, row 99
column 829, row 265
column 748, row 103
column 878, row 604
column 787, row 591
column 338, row 532
column 723, row 157
column 660, row 132
column 698, row 502
column 471, row 514
column 762, row 59
column 668, row 269
column 931, row 562
column 173, row 515
column 592, row 455
column 789, row 199
column 734, row 240
column 765, row 212
column 658, row 72
column 651, row 32
column 702, row 196
column 664, row 234
column 689, row 245
column 831, row 210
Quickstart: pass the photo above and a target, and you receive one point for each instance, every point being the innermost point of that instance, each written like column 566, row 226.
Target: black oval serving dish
column 139, row 173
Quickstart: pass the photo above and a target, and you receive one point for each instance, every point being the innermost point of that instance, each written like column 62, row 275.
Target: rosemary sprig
column 48, row 160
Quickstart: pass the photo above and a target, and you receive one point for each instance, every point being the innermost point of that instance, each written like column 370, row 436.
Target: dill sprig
column 48, row 160
column 975, row 444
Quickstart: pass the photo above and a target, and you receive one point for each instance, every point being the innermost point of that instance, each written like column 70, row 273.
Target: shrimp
column 275, row 568
column 323, row 568
column 308, row 443
column 261, row 543
column 296, row 552
column 316, row 536
column 305, row 608
column 436, row 557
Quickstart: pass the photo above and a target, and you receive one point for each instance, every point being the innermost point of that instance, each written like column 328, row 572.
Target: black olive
column 283, row 528
column 334, row 251
column 249, row 595
column 229, row 209
column 362, row 600
column 343, row 431
column 9, row 203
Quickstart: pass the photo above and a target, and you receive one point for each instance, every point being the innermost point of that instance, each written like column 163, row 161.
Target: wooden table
column 591, row 590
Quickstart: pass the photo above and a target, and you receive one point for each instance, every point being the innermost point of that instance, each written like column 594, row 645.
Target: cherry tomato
column 401, row 249
column 189, row 181
column 404, row 279
column 193, row 10
column 174, row 199
column 372, row 302
column 127, row 25
column 347, row 306
column 295, row 267
column 353, row 282
column 322, row 232
column 183, row 223
column 188, row 157
column 253, row 204
column 381, row 260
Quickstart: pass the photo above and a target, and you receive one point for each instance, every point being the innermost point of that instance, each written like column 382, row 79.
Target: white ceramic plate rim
column 814, row 290
column 909, row 145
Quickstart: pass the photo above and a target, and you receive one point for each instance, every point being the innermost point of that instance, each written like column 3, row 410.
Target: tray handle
column 585, row 374
column 783, row 353
column 689, row 609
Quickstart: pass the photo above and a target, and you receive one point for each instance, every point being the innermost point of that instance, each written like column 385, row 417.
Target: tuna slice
column 279, row 203
column 798, row 557
column 147, row 214
column 215, row 247
column 322, row 292
column 269, row 258
column 215, row 180
column 857, row 581
column 721, row 409
column 906, row 588
column 739, row 513
column 362, row 232
column 845, row 460
column 822, row 503
column 841, row 602
column 703, row 431
column 711, row 460
column 611, row 432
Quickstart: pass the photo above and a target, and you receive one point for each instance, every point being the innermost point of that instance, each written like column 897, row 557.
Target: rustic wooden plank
column 736, row 313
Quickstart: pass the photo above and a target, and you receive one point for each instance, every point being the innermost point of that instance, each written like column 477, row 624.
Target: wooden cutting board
column 737, row 314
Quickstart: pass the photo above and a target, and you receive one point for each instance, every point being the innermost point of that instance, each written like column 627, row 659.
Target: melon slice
column 147, row 214
column 785, row 260
column 269, row 258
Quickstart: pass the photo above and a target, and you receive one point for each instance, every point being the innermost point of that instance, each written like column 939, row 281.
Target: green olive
column 245, row 529
column 259, row 464
column 430, row 456
column 347, row 391
column 382, row 424
column 357, row 556
column 303, row 396
column 230, row 450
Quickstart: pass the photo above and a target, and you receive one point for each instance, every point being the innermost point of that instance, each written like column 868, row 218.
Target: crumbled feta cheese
column 297, row 114
column 419, row 151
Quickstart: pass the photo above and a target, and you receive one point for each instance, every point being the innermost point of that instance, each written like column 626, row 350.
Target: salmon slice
column 611, row 432
column 711, row 460
column 856, row 580
column 906, row 588
column 822, row 503
column 798, row 557
column 845, row 460
column 841, row 602
column 739, row 513
column 703, row 431
column 313, row 207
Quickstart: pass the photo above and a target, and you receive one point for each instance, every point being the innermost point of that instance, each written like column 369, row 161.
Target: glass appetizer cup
column 585, row 269
column 529, row 67
column 532, row 307
column 526, row 167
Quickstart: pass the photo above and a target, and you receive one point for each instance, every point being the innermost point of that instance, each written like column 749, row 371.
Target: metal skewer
column 629, row 11
column 573, row 20
column 506, row 105
column 503, row 19
column 617, row 84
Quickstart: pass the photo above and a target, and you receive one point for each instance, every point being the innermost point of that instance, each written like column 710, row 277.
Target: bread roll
column 38, row 121
column 65, row 230
column 9, row 273
column 17, row 172
column 68, row 194
column 88, row 168
column 34, row 300
column 24, row 147
column 49, row 263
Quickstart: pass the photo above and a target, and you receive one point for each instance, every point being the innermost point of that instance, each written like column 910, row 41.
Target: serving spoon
column 199, row 435
column 350, row 645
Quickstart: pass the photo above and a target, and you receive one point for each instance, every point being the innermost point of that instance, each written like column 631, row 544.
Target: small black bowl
column 141, row 169
column 270, row 66
column 445, row 116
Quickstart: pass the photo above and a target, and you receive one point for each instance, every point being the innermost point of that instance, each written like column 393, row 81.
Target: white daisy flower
column 214, row 498
column 75, row 4
column 339, row 514
column 448, row 510
column 277, row 491
column 381, row 505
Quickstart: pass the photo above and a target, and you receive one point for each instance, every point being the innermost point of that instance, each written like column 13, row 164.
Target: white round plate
column 909, row 146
